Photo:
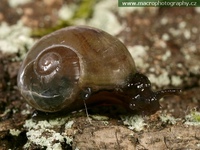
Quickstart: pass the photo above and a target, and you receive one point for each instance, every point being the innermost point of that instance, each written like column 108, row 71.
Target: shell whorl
column 47, row 64
column 49, row 81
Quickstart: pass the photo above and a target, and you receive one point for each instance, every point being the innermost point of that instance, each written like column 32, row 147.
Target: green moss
column 84, row 10
column 193, row 118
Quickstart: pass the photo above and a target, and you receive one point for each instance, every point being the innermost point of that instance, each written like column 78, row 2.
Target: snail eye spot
column 86, row 93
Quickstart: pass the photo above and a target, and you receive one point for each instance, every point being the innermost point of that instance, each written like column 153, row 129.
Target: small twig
column 87, row 112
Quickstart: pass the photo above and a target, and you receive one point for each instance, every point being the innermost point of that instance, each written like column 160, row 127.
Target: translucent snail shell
column 80, row 63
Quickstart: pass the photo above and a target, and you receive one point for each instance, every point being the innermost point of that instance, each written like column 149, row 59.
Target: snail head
column 143, row 98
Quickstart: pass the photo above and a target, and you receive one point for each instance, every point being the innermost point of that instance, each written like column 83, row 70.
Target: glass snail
column 80, row 65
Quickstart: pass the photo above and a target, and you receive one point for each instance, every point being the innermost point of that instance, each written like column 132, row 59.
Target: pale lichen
column 99, row 117
column 167, row 119
column 66, row 12
column 104, row 18
column 165, row 37
column 15, row 38
column 176, row 80
column 197, row 9
column 166, row 56
column 44, row 133
column 15, row 132
column 16, row 3
column 97, row 14
column 160, row 80
column 164, row 21
column 139, row 54
column 27, row 110
column 135, row 122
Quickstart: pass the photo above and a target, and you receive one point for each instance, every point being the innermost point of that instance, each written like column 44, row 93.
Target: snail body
column 79, row 63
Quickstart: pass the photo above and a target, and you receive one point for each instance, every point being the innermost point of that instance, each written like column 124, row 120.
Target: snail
column 80, row 65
